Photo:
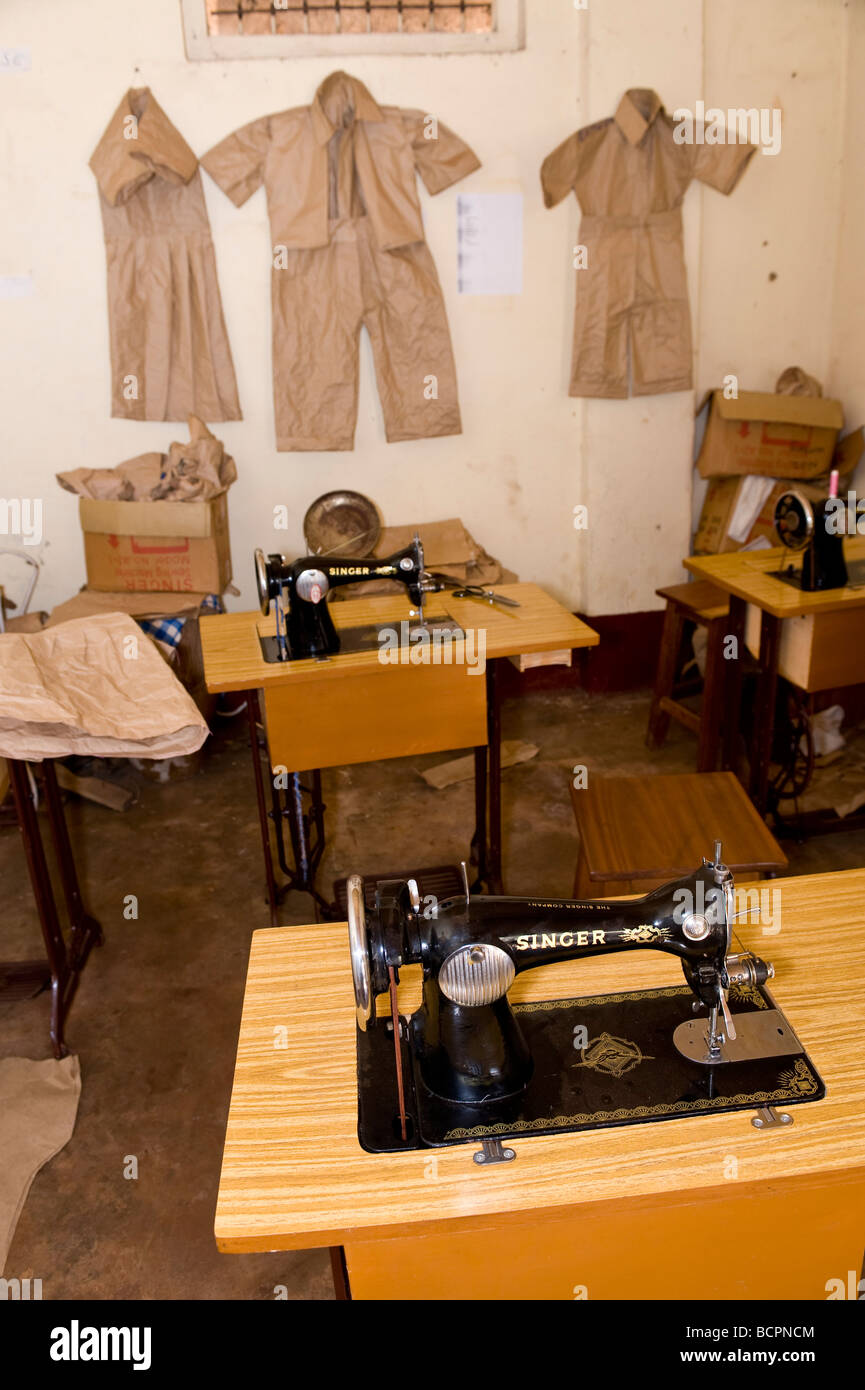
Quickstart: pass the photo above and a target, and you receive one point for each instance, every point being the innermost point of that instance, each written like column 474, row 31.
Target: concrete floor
column 156, row 1018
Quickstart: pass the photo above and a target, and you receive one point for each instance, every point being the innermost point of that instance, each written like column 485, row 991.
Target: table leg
column 86, row 931
column 64, row 966
column 764, row 724
column 317, row 809
column 479, row 839
column 306, row 853
column 711, row 713
column 297, row 827
column 494, row 744
column 339, row 1273
column 734, row 666
column 254, row 717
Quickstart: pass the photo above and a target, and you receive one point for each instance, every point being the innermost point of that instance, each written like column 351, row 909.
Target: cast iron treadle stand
column 301, row 823
column 486, row 847
column 306, row 819
column 65, row 959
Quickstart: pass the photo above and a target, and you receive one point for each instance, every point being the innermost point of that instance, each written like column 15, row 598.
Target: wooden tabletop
column 233, row 659
column 294, row 1175
column 746, row 573
column 651, row 827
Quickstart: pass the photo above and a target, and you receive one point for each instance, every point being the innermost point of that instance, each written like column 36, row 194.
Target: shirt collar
column 365, row 108
column 636, row 112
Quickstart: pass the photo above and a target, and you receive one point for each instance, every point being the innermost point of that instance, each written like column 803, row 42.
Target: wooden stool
column 639, row 832
column 701, row 603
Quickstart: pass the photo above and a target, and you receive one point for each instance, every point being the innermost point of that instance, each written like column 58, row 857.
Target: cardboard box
column 739, row 511
column 790, row 437
column 176, row 547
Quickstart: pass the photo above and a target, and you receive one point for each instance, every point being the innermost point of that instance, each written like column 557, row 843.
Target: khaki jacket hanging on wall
column 170, row 356
column 349, row 250
column 630, row 176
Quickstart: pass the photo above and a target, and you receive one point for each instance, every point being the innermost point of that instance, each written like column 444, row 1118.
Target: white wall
column 528, row 453
column 847, row 366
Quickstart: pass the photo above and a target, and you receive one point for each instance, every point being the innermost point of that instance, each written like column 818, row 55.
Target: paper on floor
column 514, row 751
column 38, row 1105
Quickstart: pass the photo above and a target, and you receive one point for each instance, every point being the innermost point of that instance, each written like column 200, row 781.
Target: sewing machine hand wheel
column 262, row 582
column 359, row 949
column 794, row 520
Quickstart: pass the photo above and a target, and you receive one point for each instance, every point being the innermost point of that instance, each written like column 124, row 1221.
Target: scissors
column 474, row 591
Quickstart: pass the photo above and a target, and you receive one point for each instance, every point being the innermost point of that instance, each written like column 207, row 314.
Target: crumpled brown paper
column 795, row 381
column 94, row 685
column 448, row 549
column 192, row 472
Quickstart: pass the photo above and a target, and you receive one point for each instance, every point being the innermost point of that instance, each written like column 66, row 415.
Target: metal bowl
column 342, row 523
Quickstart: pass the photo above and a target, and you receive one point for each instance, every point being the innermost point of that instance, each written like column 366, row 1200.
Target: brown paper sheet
column 38, row 1105
column 94, row 685
column 137, row 605
column 448, row 548
column 443, row 775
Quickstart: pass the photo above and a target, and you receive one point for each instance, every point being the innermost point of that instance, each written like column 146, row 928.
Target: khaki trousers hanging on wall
column 321, row 298
column 349, row 251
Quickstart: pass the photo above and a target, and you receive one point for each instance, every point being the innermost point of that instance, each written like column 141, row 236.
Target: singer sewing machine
column 817, row 530
column 298, row 590
column 469, row 1065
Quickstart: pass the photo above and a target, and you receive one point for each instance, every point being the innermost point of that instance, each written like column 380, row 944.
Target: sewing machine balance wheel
column 262, row 582
column 794, row 520
column 359, row 951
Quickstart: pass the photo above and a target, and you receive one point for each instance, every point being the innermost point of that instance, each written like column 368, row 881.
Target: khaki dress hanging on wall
column 170, row 356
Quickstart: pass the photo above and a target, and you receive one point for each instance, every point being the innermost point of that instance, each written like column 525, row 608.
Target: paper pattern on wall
column 490, row 243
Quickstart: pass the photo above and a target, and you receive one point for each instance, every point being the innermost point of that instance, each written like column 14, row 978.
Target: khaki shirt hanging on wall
column 349, row 250
column 630, row 176
column 170, row 356
column 292, row 155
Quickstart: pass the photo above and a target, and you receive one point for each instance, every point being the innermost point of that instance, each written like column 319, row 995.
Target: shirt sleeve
column 559, row 170
column 720, row 166
column 441, row 157
column 237, row 162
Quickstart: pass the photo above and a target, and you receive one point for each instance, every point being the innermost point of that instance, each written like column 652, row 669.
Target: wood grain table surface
column 233, row 658
column 294, row 1175
column 748, row 575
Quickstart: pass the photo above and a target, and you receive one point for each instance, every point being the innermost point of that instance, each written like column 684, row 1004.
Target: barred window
column 349, row 16
column 296, row 28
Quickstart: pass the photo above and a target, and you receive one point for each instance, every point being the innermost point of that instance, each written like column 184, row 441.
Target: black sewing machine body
column 470, row 1064
column 817, row 529
column 299, row 589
